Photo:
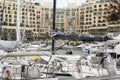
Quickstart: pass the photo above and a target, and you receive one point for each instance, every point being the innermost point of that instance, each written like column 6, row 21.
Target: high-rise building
column 90, row 0
column 93, row 18
column 36, row 19
column 30, row 19
column 65, row 17
column 103, row 1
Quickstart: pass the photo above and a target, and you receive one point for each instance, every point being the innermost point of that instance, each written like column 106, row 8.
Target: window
column 23, row 13
column 8, row 8
column 86, row 15
column 23, row 9
column 105, row 5
column 95, row 6
column 95, row 9
column 57, row 16
column 22, row 21
column 61, row 16
column 14, row 20
column 15, row 16
column 86, row 11
column 100, row 5
column 32, row 6
column 104, row 12
column 14, row 8
column 10, row 16
column 10, row 20
column 8, row 11
column 103, row 24
column 99, row 17
column 22, row 17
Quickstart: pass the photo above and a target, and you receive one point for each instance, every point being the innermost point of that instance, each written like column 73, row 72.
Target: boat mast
column 54, row 15
column 18, row 21
column 25, row 24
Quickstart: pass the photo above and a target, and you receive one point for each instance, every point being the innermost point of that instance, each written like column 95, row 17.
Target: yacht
column 75, row 66
column 93, row 47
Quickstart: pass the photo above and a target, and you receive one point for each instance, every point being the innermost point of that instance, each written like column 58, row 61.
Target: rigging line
column 2, row 17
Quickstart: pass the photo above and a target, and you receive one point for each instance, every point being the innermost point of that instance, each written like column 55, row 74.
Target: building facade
column 65, row 18
column 93, row 18
column 30, row 19
column 36, row 19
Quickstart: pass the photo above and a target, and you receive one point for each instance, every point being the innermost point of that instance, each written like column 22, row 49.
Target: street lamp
column 71, row 22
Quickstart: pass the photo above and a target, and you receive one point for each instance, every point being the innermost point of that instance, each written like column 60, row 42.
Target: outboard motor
column 107, row 62
column 110, row 64
column 69, row 53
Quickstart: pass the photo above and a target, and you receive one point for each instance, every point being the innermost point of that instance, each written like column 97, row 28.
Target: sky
column 62, row 3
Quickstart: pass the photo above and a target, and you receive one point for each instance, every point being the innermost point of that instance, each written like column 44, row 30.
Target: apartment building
column 103, row 1
column 30, row 19
column 93, row 18
column 65, row 18
column 36, row 19
column 90, row 0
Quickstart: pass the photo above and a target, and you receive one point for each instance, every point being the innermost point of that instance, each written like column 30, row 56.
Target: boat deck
column 114, row 77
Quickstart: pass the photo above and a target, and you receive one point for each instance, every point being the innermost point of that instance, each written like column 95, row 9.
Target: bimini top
column 8, row 45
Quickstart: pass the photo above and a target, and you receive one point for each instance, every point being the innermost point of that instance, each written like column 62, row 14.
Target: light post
column 72, row 23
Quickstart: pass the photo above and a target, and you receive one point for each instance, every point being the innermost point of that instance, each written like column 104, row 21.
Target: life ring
column 7, row 73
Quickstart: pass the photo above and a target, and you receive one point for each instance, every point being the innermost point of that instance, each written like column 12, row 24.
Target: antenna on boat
column 54, row 15
column 18, row 21
column 1, row 23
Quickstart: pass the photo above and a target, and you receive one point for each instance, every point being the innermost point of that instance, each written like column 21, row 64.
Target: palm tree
column 113, row 16
column 114, row 11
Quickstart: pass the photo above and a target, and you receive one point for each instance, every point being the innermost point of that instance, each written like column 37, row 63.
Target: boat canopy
column 84, row 37
column 8, row 45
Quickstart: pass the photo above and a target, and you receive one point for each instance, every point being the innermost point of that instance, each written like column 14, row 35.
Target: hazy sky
column 62, row 3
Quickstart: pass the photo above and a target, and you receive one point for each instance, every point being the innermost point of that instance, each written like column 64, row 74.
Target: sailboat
column 9, row 45
column 16, row 66
column 79, row 66
column 62, row 65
